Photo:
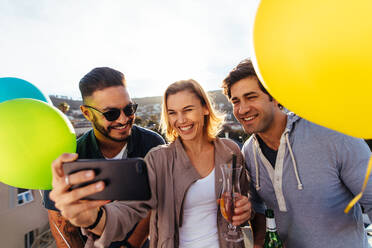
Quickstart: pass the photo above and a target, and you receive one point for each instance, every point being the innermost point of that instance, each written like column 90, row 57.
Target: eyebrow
column 110, row 108
column 245, row 95
column 188, row 106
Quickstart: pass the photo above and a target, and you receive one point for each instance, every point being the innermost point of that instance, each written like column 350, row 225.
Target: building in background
column 23, row 219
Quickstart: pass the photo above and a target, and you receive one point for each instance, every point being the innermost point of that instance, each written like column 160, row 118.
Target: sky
column 53, row 43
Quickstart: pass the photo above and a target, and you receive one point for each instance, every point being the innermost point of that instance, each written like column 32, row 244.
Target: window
column 24, row 196
column 29, row 239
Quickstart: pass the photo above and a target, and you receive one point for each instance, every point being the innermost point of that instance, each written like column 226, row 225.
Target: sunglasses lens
column 130, row 109
column 112, row 114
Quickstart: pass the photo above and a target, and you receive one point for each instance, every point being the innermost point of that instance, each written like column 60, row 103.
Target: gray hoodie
column 317, row 172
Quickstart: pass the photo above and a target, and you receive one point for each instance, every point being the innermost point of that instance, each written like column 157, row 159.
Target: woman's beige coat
column 171, row 174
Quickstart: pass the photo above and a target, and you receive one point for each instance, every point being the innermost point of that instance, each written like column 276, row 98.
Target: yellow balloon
column 315, row 57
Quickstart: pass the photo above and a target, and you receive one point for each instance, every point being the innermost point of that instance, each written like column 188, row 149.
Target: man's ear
column 277, row 103
column 87, row 114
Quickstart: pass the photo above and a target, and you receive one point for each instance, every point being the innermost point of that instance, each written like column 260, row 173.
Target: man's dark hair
column 243, row 70
column 100, row 78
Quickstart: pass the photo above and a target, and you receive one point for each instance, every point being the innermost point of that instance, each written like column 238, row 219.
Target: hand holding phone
column 124, row 179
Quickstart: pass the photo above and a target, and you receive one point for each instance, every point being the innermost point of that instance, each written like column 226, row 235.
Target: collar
column 223, row 153
column 95, row 148
column 131, row 139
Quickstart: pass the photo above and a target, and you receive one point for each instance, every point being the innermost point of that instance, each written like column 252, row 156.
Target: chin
column 188, row 137
column 119, row 139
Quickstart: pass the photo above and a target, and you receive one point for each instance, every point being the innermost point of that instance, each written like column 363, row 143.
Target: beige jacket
column 171, row 174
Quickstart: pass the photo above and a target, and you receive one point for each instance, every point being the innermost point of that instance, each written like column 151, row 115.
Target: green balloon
column 32, row 135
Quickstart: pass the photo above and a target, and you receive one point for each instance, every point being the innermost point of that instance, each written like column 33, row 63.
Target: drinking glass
column 230, row 193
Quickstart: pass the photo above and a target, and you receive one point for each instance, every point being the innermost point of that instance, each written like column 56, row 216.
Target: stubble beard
column 106, row 132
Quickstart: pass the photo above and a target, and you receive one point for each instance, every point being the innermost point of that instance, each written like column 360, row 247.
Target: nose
column 181, row 118
column 122, row 118
column 244, row 108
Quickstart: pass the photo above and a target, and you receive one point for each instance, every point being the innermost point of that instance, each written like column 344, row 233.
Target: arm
column 140, row 234
column 353, row 157
column 259, row 230
column 65, row 234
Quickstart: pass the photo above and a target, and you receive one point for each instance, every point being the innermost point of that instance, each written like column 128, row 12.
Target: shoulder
column 84, row 139
column 160, row 156
column 228, row 143
column 147, row 135
column 248, row 144
column 321, row 133
column 161, row 150
column 314, row 135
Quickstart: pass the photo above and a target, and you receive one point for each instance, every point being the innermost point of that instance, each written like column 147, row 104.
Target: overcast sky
column 53, row 43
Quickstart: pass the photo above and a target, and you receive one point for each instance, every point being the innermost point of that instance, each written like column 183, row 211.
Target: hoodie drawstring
column 256, row 165
column 299, row 184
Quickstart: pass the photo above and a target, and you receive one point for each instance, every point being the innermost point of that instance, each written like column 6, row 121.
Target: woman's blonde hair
column 212, row 122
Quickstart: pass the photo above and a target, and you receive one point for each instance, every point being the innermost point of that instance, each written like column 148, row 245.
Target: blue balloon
column 13, row 88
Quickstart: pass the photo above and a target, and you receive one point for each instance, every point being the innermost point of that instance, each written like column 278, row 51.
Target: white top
column 121, row 155
column 199, row 227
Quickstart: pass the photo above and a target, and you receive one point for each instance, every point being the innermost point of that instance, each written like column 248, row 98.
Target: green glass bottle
column 272, row 239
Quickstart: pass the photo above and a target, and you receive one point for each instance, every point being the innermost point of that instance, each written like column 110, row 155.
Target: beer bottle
column 272, row 239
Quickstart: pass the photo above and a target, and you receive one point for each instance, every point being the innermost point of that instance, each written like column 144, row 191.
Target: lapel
column 94, row 150
column 184, row 174
column 130, row 142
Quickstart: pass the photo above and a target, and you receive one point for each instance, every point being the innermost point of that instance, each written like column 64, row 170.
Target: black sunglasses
column 114, row 113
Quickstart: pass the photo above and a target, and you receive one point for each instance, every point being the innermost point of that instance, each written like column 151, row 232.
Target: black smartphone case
column 125, row 179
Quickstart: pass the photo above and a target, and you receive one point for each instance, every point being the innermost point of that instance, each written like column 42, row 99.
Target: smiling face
column 252, row 107
column 186, row 115
column 104, row 100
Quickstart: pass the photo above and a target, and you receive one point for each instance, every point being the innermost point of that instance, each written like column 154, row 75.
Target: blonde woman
column 185, row 179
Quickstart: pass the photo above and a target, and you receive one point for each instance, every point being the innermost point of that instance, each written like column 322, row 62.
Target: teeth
column 249, row 118
column 186, row 128
column 121, row 127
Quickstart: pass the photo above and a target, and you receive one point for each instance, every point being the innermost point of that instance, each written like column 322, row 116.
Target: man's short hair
column 243, row 70
column 100, row 78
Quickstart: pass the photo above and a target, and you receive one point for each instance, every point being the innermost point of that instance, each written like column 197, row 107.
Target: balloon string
column 358, row 196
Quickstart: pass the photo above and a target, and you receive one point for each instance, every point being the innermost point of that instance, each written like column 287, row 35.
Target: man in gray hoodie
column 305, row 172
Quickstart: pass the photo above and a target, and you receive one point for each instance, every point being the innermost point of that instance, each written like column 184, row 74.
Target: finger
column 242, row 208
column 81, row 177
column 80, row 193
column 241, row 201
column 240, row 219
column 57, row 169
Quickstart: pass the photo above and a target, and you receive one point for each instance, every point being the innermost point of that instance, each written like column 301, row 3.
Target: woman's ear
column 205, row 110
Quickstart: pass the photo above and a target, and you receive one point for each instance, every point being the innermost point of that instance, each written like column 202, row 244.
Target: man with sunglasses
column 108, row 106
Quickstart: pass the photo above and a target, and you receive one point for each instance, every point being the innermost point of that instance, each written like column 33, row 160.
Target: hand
column 242, row 211
column 79, row 212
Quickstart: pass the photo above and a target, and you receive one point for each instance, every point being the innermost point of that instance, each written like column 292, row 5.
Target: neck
column 271, row 136
column 108, row 147
column 197, row 145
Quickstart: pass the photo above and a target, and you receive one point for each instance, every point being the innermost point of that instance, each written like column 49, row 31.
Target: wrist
column 97, row 220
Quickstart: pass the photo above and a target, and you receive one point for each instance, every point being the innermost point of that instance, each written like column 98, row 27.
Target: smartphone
column 125, row 179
